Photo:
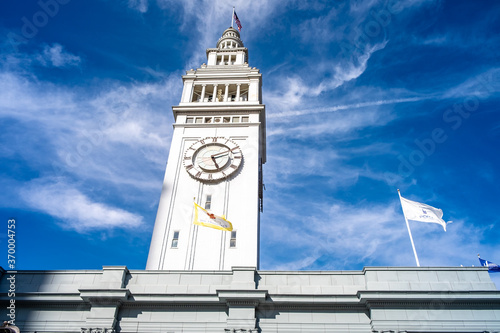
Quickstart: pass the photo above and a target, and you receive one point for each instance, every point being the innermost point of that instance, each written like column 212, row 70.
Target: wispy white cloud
column 56, row 56
column 294, row 91
column 139, row 5
column 339, row 231
column 326, row 73
column 357, row 235
column 82, row 131
column 209, row 18
column 286, row 114
column 293, row 163
column 76, row 210
column 52, row 56
column 481, row 85
column 112, row 138
column 436, row 40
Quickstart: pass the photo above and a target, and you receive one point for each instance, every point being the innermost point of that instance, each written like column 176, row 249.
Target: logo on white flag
column 421, row 212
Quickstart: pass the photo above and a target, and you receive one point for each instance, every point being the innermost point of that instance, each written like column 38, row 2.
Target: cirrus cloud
column 78, row 211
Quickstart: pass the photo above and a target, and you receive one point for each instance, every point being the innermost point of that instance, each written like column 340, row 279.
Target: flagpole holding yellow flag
column 409, row 231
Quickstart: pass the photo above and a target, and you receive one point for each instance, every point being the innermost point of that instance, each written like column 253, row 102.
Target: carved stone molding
column 97, row 330
column 104, row 296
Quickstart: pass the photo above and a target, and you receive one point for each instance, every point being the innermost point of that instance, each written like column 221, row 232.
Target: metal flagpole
column 409, row 231
column 232, row 18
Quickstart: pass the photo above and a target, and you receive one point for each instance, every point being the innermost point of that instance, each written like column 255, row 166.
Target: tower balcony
column 223, row 93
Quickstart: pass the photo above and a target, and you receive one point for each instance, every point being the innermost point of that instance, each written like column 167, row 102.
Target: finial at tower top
column 230, row 39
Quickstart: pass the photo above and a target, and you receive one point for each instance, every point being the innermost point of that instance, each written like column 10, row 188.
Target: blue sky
column 362, row 98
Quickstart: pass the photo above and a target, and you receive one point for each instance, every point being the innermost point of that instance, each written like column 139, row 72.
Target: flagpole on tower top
column 409, row 231
column 232, row 18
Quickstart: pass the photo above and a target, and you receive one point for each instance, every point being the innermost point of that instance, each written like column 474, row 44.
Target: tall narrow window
column 208, row 201
column 175, row 239
column 232, row 242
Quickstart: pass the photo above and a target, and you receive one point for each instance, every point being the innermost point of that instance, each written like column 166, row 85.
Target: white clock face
column 212, row 158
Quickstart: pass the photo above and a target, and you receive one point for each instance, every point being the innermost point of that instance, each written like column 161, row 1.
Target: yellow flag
column 204, row 218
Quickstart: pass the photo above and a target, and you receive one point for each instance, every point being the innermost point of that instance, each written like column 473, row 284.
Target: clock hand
column 213, row 159
column 220, row 156
column 224, row 152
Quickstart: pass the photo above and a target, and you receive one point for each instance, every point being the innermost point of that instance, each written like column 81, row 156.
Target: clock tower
column 215, row 160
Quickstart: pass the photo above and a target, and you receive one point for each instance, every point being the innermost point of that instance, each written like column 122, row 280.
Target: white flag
column 417, row 211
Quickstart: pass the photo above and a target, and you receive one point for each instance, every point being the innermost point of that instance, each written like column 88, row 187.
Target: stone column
column 214, row 97
column 226, row 92
column 203, row 86
column 238, row 89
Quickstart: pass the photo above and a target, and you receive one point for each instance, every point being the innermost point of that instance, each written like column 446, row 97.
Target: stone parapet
column 248, row 300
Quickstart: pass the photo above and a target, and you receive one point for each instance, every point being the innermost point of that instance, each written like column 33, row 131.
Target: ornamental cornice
column 244, row 295
column 216, row 305
column 203, row 113
column 104, row 296
column 48, row 297
column 267, row 306
column 242, row 303
column 223, row 72
column 217, row 125
column 61, row 304
column 414, row 296
column 413, row 268
column 436, row 304
column 219, row 107
column 234, row 49
column 241, row 49
column 97, row 330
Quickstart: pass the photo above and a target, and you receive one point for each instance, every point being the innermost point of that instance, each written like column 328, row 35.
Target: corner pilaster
column 105, row 299
column 242, row 300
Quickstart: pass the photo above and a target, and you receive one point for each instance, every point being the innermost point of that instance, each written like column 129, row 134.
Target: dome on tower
column 230, row 39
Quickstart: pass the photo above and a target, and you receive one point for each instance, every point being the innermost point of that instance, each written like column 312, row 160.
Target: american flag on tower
column 237, row 20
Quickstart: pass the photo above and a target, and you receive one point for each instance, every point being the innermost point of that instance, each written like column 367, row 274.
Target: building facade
column 376, row 299
column 200, row 279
